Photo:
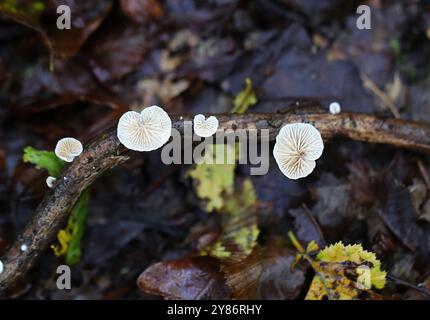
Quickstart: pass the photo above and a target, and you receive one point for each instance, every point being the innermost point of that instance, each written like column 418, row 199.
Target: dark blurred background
column 192, row 56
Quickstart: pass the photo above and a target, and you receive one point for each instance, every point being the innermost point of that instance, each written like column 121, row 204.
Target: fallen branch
column 106, row 152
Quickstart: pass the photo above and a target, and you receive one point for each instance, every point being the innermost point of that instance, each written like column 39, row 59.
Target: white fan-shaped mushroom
column 50, row 181
column 205, row 127
column 145, row 131
column 297, row 147
column 1, row 267
column 68, row 148
column 334, row 108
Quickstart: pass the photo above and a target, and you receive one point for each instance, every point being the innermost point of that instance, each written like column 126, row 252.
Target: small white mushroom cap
column 334, row 108
column 205, row 127
column 1, row 267
column 145, row 131
column 297, row 147
column 23, row 247
column 50, row 181
column 68, row 148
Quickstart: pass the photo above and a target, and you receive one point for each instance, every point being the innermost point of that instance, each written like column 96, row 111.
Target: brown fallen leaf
column 399, row 215
column 266, row 274
column 42, row 15
column 117, row 51
column 194, row 278
column 306, row 226
column 333, row 200
column 152, row 90
column 362, row 179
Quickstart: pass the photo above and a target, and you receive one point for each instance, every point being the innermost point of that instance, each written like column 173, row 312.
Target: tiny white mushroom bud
column 205, row 127
column 1, row 267
column 50, row 181
column 23, row 247
column 297, row 147
column 145, row 131
column 68, row 148
column 334, row 108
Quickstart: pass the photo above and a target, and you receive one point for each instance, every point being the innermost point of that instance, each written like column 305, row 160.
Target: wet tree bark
column 106, row 152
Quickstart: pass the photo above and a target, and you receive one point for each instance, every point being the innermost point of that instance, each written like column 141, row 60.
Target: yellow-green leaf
column 69, row 238
column 239, row 227
column 60, row 248
column 343, row 272
column 355, row 253
column 245, row 98
column 76, row 225
column 214, row 180
column 44, row 160
column 331, row 282
column 312, row 247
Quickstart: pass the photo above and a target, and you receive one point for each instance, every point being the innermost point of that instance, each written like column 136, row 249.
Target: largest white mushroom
column 145, row 131
column 297, row 147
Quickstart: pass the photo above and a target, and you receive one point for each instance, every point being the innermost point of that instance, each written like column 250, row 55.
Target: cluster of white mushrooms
column 297, row 146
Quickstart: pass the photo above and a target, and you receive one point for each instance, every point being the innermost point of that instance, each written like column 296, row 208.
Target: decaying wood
column 106, row 152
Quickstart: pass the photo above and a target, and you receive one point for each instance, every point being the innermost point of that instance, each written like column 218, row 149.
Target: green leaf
column 44, row 160
column 245, row 98
column 76, row 225
column 397, row 50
